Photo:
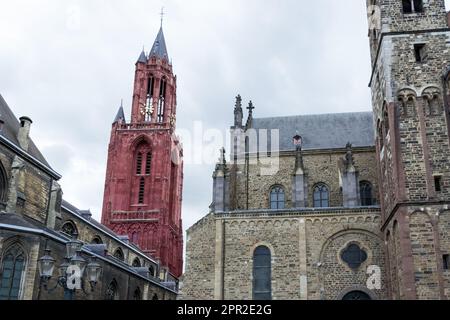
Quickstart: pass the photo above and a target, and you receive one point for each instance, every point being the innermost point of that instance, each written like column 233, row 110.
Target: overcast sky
column 67, row 65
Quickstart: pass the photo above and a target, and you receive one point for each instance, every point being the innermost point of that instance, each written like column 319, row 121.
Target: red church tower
column 144, row 175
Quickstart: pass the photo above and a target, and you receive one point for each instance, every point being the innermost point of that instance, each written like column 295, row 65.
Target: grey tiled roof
column 142, row 57
column 11, row 128
column 323, row 131
column 120, row 115
column 159, row 48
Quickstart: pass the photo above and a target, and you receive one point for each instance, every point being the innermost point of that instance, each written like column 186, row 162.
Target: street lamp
column 46, row 265
column 77, row 266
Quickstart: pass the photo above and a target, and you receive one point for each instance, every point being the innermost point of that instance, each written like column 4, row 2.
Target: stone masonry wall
column 320, row 167
column 298, row 241
column 198, row 281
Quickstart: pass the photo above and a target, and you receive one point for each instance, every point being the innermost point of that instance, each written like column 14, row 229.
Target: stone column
column 349, row 180
column 16, row 168
column 298, row 184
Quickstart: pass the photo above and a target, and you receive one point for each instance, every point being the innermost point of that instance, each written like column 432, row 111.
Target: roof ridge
column 316, row 115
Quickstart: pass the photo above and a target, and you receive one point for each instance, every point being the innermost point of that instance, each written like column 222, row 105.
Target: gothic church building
column 358, row 206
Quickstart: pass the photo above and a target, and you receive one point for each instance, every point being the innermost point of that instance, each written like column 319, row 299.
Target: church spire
column 120, row 114
column 159, row 49
column 142, row 57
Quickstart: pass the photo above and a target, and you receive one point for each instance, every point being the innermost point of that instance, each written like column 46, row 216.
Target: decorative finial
column 162, row 16
column 250, row 107
column 238, row 101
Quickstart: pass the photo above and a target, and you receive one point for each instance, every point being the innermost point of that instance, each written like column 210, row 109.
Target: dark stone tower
column 410, row 51
column 144, row 175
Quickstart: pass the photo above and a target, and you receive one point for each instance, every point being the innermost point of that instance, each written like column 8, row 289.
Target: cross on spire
column 250, row 107
column 162, row 15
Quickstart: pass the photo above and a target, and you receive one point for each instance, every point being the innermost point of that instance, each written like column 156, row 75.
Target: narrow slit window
column 446, row 261
column 149, row 102
column 162, row 101
column 141, row 191
column 148, row 164
column 438, row 183
column 420, row 52
column 139, row 164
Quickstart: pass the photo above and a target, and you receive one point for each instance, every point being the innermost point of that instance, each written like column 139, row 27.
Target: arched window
column 356, row 295
column 148, row 164
column 434, row 107
column 136, row 263
column 118, row 254
column 97, row 240
column 365, row 190
column 385, row 121
column 412, row 6
column 141, row 196
column 135, row 237
column 139, row 163
column 380, row 134
column 277, row 198
column 152, row 271
column 155, row 297
column 137, row 294
column 112, row 292
column 70, row 229
column 12, row 270
column 262, row 274
column 149, row 102
column 321, row 196
column 3, row 186
column 162, row 100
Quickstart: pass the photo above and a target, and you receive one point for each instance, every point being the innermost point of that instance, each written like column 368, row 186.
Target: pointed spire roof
column 120, row 115
column 159, row 48
column 142, row 57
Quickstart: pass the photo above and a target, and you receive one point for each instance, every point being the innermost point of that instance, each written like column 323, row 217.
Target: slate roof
column 159, row 48
column 11, row 128
column 323, row 131
column 120, row 115
column 142, row 57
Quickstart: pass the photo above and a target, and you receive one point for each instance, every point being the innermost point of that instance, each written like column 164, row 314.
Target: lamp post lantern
column 71, row 271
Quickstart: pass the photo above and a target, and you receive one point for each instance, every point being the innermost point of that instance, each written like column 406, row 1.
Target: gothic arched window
column 97, row 240
column 380, row 134
column 12, row 270
column 148, row 163
column 365, row 190
column 277, row 198
column 152, row 271
column 139, row 163
column 162, row 100
column 3, row 186
column 112, row 292
column 141, row 196
column 70, row 229
column 137, row 294
column 149, row 102
column 118, row 254
column 385, row 121
column 135, row 237
column 321, row 196
column 262, row 274
column 136, row 263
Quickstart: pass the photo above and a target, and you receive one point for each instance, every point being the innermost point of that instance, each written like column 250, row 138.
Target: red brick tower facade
column 144, row 175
